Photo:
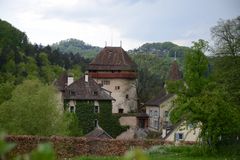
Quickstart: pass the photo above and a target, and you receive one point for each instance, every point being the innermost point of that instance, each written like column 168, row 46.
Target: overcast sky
column 133, row 22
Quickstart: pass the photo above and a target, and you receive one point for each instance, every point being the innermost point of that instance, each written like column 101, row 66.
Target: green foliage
column 33, row 109
column 136, row 154
column 43, row 151
column 6, row 91
column 162, row 49
column 4, row 146
column 196, row 67
column 20, row 60
column 204, row 101
column 152, row 72
column 227, row 57
column 174, row 86
column 76, row 47
column 72, row 124
column 76, row 71
column 107, row 121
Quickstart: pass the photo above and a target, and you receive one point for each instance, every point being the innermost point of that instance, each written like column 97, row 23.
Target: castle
column 115, row 71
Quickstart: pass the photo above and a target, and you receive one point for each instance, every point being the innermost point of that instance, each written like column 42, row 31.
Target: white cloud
column 132, row 21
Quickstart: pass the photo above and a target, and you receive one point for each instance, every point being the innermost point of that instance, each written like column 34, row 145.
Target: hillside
column 20, row 60
column 161, row 49
column 76, row 46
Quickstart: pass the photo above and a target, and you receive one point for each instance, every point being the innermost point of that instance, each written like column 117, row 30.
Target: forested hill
column 161, row 49
column 76, row 46
column 19, row 59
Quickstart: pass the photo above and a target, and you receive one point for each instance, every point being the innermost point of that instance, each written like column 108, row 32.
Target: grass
column 177, row 153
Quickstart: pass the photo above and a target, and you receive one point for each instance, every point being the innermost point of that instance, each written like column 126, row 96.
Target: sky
column 134, row 22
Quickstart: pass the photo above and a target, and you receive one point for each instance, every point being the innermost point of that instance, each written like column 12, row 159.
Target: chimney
column 86, row 77
column 69, row 80
column 120, row 43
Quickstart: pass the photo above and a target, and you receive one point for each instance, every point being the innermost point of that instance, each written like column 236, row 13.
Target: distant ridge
column 76, row 46
column 161, row 49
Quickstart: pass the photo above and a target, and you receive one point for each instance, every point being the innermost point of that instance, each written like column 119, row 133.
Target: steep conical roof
column 174, row 72
column 112, row 58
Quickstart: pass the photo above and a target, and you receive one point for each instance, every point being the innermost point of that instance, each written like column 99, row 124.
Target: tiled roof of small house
column 112, row 58
column 174, row 72
column 61, row 82
column 163, row 96
column 98, row 133
column 81, row 90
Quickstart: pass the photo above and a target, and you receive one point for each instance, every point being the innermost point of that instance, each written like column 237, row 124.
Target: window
column 95, row 93
column 96, row 109
column 72, row 93
column 72, row 109
column 155, row 124
column 120, row 110
column 150, row 112
column 117, row 87
column 190, row 126
column 95, row 123
column 166, row 113
column 127, row 96
column 179, row 136
column 155, row 113
column 106, row 82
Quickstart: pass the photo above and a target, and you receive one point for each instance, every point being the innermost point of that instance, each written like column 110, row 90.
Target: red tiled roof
column 112, row 58
column 81, row 90
column 174, row 72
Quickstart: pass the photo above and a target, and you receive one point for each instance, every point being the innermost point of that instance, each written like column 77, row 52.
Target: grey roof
column 61, row 82
column 98, row 133
column 163, row 96
column 81, row 90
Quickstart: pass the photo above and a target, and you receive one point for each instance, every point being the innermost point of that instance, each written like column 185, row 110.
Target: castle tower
column 116, row 72
column 174, row 72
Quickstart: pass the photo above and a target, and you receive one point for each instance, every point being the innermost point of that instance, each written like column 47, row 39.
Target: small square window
column 120, row 110
column 179, row 136
column 127, row 96
column 95, row 93
column 117, row 87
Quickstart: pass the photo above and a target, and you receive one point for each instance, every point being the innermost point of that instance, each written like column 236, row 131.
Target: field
column 174, row 153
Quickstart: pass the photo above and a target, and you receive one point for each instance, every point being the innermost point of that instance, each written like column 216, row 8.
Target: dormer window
column 72, row 93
